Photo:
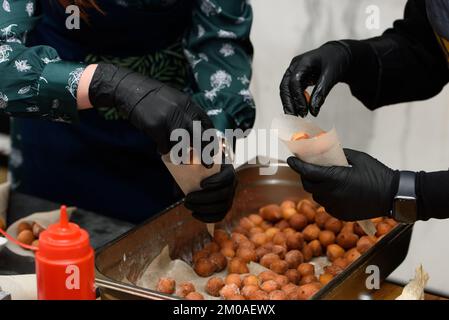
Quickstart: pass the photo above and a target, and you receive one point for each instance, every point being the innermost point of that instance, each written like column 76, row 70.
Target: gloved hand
column 323, row 67
column 364, row 190
column 150, row 105
column 215, row 199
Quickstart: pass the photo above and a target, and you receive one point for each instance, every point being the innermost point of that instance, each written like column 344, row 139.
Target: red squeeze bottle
column 65, row 262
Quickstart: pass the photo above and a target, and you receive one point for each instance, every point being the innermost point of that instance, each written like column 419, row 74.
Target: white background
column 413, row 136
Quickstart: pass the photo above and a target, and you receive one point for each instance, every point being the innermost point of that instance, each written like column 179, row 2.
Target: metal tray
column 120, row 263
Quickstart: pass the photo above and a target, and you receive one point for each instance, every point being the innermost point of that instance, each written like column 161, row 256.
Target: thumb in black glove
column 323, row 67
column 364, row 190
column 213, row 201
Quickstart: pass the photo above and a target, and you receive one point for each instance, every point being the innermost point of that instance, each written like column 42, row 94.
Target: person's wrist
column 82, row 94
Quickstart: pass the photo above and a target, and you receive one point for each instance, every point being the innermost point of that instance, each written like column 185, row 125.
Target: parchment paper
column 43, row 218
column 324, row 150
column 164, row 266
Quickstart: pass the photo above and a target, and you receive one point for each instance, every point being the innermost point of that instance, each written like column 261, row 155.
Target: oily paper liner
column 43, row 218
column 324, row 150
column 164, row 266
column 414, row 290
column 21, row 287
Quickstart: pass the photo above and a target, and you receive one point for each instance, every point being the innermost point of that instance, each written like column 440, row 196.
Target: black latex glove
column 150, row 105
column 364, row 190
column 323, row 67
column 215, row 199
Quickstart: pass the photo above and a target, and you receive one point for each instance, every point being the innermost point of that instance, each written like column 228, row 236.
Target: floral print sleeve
column 219, row 51
column 34, row 82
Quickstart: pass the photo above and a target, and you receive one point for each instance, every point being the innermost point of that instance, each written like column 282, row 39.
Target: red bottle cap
column 64, row 240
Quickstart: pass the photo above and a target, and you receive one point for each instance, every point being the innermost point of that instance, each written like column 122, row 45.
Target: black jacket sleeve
column 405, row 64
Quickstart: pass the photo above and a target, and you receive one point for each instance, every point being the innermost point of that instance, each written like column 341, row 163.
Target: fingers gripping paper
column 323, row 150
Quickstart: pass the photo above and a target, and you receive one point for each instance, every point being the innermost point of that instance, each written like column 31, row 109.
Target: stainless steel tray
column 120, row 263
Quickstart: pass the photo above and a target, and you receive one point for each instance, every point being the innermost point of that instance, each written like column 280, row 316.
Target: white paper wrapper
column 324, row 150
column 164, row 266
column 414, row 290
column 21, row 287
column 43, row 218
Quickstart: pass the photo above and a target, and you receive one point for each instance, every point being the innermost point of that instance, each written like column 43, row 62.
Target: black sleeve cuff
column 432, row 191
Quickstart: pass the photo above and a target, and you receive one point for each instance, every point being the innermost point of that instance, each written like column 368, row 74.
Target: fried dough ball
column 228, row 252
column 281, row 280
column 306, row 269
column 265, row 225
column 239, row 229
column 234, row 278
column 201, row 254
column 307, row 208
column 298, row 221
column 348, row 227
column 255, row 230
column 247, row 244
column 280, row 239
column 289, row 288
column 229, row 290
column 358, row 230
column 333, row 270
column 228, row 243
column 321, row 217
column 259, row 295
column 279, row 250
column 307, row 252
column 37, row 229
column 261, row 251
column 219, row 260
column 315, row 245
column 295, row 241
column 377, row 220
column 166, row 285
column 365, row 243
column 246, row 223
column 334, row 225
column 311, row 232
column 184, row 289
column 237, row 238
column 259, row 239
column 194, row 296
column 308, row 290
column 293, row 276
column 347, row 240
column 334, row 251
column 212, row 247
column 268, row 259
column 214, row 285
column 256, row 219
column 271, row 212
column 288, row 231
column 352, row 254
column 308, row 279
column 391, row 222
column 325, row 278
column 283, row 224
column 294, row 258
column 23, row 226
column 279, row 266
column 236, row 297
column 249, row 290
column 246, row 254
column 287, row 213
column 271, row 232
column 266, row 275
column 326, row 237
column 250, row 280
column 26, row 236
column 204, row 267
column 269, row 286
column 277, row 295
column 341, row 262
column 237, row 265
column 220, row 236
column 383, row 228
column 288, row 204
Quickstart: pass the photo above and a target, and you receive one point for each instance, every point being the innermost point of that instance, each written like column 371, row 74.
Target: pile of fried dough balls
column 283, row 238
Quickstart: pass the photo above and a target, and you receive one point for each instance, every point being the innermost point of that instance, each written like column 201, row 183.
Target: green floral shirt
column 35, row 82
